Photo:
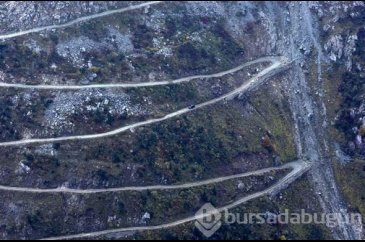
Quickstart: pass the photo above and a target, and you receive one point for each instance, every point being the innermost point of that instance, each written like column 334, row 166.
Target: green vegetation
column 291, row 200
column 222, row 139
column 197, row 48
column 277, row 123
column 47, row 214
column 350, row 86
column 19, row 61
column 352, row 90
column 91, row 115
column 352, row 180
column 227, row 138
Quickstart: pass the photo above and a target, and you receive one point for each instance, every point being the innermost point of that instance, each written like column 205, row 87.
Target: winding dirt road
column 78, row 20
column 142, row 84
column 278, row 63
column 293, row 165
column 299, row 168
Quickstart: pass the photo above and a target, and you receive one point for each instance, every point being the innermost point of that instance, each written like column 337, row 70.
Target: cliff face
column 314, row 34
column 324, row 40
column 314, row 110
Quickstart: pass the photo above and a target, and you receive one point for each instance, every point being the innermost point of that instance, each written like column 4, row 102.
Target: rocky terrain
column 32, row 14
column 314, row 110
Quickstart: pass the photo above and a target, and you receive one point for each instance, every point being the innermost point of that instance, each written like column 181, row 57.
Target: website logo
column 208, row 220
